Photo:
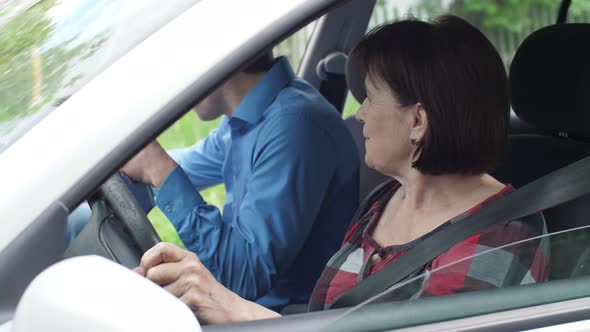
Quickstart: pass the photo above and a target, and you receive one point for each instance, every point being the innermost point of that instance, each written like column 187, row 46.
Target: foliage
column 26, row 30
column 579, row 7
column 508, row 15
column 34, row 70
column 37, row 70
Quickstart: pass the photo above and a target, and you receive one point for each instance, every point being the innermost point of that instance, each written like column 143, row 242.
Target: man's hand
column 151, row 165
column 181, row 273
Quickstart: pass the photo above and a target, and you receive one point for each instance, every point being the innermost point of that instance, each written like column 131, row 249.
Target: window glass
column 50, row 48
column 295, row 46
column 183, row 133
column 189, row 129
column 568, row 256
column 505, row 23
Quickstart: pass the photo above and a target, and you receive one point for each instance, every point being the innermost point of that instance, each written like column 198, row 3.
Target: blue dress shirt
column 290, row 169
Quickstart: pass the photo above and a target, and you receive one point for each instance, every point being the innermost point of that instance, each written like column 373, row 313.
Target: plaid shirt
column 519, row 264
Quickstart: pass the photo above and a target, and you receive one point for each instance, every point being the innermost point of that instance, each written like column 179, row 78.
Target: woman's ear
column 419, row 122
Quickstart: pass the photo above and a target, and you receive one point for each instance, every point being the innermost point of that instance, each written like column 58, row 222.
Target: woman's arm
column 181, row 273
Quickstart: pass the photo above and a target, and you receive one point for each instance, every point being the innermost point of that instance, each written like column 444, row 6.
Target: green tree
column 19, row 45
column 505, row 22
column 32, row 71
column 508, row 15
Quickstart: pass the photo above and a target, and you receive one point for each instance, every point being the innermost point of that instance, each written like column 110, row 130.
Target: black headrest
column 550, row 79
column 355, row 78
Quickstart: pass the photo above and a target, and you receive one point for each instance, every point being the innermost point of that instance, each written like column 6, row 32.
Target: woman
column 435, row 121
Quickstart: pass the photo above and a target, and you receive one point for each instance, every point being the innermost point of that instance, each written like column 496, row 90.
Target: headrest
column 333, row 63
column 355, row 79
column 550, row 79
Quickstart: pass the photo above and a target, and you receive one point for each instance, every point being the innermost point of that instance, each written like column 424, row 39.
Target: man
column 290, row 169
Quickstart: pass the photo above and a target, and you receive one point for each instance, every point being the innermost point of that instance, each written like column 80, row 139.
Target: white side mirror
column 93, row 294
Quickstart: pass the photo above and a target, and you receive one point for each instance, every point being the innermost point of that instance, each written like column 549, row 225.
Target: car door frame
column 33, row 236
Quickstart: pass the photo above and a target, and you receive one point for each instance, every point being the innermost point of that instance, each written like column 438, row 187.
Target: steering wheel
column 118, row 228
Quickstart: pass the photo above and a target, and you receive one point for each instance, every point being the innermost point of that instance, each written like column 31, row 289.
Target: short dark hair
column 261, row 64
column 455, row 72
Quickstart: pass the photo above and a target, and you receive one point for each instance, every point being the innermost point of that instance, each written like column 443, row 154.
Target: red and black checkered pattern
column 516, row 264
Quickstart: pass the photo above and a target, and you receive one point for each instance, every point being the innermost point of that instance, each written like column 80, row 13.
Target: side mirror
column 91, row 293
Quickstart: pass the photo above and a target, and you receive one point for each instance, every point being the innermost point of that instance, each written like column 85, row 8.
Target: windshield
column 569, row 259
column 50, row 49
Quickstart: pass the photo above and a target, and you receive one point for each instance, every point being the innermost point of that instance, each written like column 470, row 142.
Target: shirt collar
column 252, row 107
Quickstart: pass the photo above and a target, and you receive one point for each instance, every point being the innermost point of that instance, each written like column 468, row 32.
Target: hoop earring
column 415, row 141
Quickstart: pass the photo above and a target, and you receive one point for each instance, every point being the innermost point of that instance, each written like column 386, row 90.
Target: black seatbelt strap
column 558, row 187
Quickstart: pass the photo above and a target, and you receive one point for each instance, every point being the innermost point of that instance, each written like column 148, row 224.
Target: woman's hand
column 181, row 273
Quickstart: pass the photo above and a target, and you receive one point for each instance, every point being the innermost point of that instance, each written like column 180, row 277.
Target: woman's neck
column 424, row 202
column 426, row 194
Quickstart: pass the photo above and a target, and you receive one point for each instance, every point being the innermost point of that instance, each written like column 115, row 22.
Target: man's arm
column 151, row 165
column 290, row 176
column 203, row 161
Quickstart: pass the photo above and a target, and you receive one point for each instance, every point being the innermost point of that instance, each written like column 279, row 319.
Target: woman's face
column 388, row 129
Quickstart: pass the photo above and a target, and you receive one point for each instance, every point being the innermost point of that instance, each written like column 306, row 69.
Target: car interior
column 549, row 79
column 547, row 132
column 552, row 100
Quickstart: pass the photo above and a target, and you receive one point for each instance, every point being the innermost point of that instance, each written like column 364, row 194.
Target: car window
column 51, row 48
column 189, row 129
column 295, row 46
column 569, row 258
column 505, row 23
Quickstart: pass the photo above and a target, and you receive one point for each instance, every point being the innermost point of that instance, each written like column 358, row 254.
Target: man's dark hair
column 261, row 64
column 455, row 72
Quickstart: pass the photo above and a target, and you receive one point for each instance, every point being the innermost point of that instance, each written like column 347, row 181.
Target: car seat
column 550, row 90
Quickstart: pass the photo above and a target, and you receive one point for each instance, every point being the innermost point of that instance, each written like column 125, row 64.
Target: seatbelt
column 558, row 187
column 367, row 203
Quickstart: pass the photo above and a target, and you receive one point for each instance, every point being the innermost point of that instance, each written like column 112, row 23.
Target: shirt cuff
column 177, row 197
